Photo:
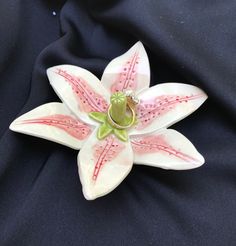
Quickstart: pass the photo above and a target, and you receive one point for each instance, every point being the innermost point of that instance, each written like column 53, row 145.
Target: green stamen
column 118, row 113
column 118, row 108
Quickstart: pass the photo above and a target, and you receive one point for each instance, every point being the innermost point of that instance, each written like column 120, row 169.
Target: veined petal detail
column 103, row 164
column 167, row 149
column 80, row 90
column 129, row 71
column 54, row 122
column 165, row 104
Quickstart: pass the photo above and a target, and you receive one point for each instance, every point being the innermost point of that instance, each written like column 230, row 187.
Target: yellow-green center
column 118, row 113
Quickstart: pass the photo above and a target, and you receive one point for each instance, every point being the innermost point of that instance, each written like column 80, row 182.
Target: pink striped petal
column 103, row 164
column 54, row 122
column 166, row 149
column 80, row 90
column 129, row 71
column 165, row 104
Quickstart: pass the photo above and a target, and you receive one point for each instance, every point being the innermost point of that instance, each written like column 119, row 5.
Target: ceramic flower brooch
column 117, row 121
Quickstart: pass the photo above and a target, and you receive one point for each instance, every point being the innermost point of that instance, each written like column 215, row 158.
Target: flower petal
column 53, row 121
column 103, row 164
column 165, row 104
column 80, row 90
column 129, row 71
column 166, row 149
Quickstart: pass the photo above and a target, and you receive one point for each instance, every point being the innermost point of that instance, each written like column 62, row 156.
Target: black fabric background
column 189, row 41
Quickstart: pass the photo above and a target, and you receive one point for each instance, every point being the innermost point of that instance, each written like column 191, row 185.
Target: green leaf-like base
column 105, row 128
column 98, row 116
column 121, row 134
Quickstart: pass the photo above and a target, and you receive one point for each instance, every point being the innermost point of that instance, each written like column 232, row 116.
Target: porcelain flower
column 107, row 153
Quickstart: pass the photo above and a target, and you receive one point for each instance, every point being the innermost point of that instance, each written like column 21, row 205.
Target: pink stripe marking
column 89, row 100
column 157, row 143
column 126, row 79
column 70, row 125
column 150, row 110
column 105, row 151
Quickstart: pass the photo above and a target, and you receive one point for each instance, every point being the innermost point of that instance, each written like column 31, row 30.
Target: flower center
column 121, row 116
column 122, row 109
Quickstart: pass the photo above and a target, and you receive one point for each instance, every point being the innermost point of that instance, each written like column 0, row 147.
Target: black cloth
column 41, row 201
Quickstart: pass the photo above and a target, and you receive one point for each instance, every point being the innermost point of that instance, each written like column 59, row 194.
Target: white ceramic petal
column 80, row 90
column 166, row 149
column 129, row 71
column 165, row 104
column 103, row 164
column 53, row 121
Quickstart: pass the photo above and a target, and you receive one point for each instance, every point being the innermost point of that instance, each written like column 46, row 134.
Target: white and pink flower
column 103, row 164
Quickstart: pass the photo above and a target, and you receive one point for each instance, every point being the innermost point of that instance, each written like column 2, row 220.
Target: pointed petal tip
column 13, row 125
column 200, row 162
column 88, row 192
column 203, row 93
column 88, row 196
column 197, row 162
column 50, row 69
column 49, row 73
column 56, row 66
column 205, row 96
column 139, row 44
